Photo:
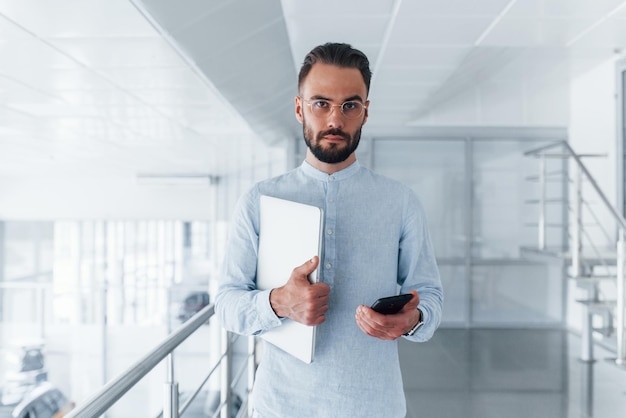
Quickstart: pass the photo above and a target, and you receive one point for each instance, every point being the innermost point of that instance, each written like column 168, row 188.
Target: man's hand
column 389, row 327
column 300, row 300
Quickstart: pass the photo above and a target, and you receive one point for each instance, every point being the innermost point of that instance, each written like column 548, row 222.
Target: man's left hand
column 389, row 327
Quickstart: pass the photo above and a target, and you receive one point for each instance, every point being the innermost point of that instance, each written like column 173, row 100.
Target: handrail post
column 621, row 348
column 586, row 353
column 170, row 407
column 586, row 349
column 542, row 203
column 225, row 372
column 251, row 369
column 576, row 234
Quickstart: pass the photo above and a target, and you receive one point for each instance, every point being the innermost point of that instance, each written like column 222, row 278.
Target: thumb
column 412, row 304
column 310, row 265
column 307, row 268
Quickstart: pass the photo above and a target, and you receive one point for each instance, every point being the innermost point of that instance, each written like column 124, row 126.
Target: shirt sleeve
column 417, row 268
column 241, row 307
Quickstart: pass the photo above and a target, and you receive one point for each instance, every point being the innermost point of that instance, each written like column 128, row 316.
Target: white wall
column 592, row 124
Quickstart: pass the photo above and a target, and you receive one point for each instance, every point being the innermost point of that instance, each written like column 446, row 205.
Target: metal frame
column 620, row 145
column 468, row 210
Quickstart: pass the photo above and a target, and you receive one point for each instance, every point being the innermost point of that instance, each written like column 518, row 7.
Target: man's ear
column 299, row 110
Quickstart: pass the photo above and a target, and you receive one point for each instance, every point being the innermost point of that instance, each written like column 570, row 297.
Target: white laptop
column 290, row 233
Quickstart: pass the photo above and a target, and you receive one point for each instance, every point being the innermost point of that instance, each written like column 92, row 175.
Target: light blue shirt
column 375, row 240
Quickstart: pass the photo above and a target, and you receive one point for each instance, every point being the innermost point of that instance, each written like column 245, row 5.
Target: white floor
column 509, row 374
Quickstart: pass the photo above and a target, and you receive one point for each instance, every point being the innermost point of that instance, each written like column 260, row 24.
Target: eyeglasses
column 351, row 109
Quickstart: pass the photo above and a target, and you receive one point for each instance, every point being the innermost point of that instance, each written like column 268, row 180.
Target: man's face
column 331, row 138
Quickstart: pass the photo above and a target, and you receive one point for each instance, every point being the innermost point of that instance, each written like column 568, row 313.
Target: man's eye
column 350, row 105
column 320, row 104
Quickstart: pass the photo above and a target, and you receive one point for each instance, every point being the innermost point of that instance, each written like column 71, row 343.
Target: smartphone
column 392, row 304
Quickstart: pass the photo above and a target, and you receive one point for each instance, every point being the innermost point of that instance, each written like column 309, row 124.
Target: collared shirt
column 375, row 243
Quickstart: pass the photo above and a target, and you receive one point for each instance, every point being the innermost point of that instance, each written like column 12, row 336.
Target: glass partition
column 480, row 199
column 436, row 170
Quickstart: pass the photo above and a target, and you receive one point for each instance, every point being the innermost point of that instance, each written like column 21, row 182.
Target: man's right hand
column 301, row 300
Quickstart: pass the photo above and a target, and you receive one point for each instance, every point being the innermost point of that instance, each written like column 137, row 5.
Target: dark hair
column 341, row 55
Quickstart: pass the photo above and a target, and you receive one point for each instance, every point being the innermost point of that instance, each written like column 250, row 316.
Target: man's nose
column 336, row 119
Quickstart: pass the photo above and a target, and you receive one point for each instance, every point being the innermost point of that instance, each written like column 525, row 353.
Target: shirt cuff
column 267, row 317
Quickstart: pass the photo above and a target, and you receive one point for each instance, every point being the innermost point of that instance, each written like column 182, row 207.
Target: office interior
column 129, row 128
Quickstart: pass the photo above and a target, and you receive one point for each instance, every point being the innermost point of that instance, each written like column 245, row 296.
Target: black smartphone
column 391, row 304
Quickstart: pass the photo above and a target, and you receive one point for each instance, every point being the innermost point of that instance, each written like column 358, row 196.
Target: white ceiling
column 119, row 87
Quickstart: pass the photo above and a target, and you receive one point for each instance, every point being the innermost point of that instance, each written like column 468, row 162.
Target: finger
column 320, row 289
column 303, row 270
column 315, row 317
column 412, row 304
column 385, row 327
column 373, row 331
column 310, row 265
column 374, row 324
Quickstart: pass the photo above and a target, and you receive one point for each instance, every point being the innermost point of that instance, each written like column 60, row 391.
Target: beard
column 333, row 153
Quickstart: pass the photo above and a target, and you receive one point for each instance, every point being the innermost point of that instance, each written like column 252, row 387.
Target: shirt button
column 328, row 266
column 331, row 200
column 331, row 178
column 329, row 231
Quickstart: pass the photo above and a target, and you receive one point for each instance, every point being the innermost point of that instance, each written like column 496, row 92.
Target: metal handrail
column 619, row 218
column 102, row 400
column 576, row 250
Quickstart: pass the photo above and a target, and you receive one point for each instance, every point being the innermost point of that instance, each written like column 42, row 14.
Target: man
column 375, row 240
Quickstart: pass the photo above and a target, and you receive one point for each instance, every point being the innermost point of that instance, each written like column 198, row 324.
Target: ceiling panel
column 435, row 31
column 56, row 108
column 51, row 79
column 30, row 54
column 110, row 97
column 535, row 31
column 296, row 10
column 154, row 77
column 120, row 52
column 15, row 92
column 176, row 16
column 220, row 50
column 188, row 95
column 363, row 30
column 10, row 31
column 577, row 9
column 256, row 59
column 215, row 33
column 462, row 8
column 415, row 75
column 424, row 56
column 76, row 18
column 610, row 34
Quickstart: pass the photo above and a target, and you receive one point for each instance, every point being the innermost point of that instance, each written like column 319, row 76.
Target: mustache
column 336, row 132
